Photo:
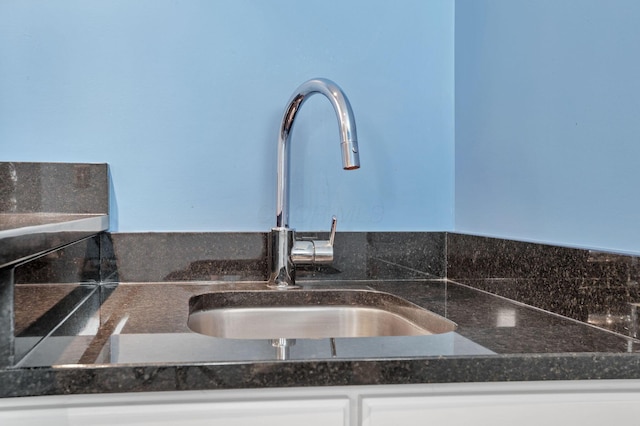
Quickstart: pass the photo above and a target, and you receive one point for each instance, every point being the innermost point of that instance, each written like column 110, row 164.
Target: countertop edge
column 75, row 379
column 59, row 223
column 22, row 243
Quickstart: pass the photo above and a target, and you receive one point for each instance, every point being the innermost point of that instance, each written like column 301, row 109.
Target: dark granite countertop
column 122, row 302
column 134, row 337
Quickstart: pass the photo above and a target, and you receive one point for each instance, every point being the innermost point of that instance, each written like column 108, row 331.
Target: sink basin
column 310, row 314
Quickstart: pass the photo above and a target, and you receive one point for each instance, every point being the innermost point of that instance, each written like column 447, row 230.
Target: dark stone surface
column 45, row 308
column 7, row 318
column 152, row 324
column 380, row 256
column 21, row 244
column 169, row 377
column 174, row 257
column 148, row 280
column 44, row 209
column 44, row 206
column 54, row 188
column 77, row 263
column 50, row 287
column 585, row 285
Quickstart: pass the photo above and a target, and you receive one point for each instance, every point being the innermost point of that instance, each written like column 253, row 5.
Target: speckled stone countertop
column 132, row 336
column 135, row 338
column 148, row 323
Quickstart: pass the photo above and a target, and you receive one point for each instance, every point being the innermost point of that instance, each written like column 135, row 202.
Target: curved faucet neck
column 348, row 136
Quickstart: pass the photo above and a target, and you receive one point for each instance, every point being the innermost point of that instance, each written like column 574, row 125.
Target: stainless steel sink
column 310, row 314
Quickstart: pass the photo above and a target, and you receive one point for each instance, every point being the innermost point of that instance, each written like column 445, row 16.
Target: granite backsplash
column 174, row 257
column 589, row 286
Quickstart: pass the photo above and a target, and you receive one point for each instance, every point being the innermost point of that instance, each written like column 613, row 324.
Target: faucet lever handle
column 323, row 249
column 308, row 252
column 334, row 225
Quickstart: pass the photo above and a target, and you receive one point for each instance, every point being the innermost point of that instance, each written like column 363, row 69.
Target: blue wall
column 548, row 121
column 183, row 100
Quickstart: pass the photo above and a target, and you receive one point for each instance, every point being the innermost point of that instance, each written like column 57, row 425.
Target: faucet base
column 282, row 270
column 283, row 286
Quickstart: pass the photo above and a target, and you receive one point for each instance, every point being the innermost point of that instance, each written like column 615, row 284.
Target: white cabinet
column 175, row 408
column 245, row 413
column 585, row 403
column 506, row 404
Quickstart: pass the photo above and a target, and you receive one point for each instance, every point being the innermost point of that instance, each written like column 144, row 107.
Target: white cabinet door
column 249, row 413
column 506, row 405
column 184, row 409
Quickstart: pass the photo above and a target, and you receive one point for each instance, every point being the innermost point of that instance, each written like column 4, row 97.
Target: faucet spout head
column 350, row 155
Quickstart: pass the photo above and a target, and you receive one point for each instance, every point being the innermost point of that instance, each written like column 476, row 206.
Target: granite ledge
column 27, row 235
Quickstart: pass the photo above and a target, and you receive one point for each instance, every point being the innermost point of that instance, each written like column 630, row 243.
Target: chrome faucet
column 284, row 250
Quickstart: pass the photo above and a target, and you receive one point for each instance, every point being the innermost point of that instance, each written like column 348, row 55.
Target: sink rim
column 218, row 304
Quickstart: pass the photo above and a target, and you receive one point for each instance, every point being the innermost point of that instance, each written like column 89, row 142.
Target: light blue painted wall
column 183, row 99
column 548, row 121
